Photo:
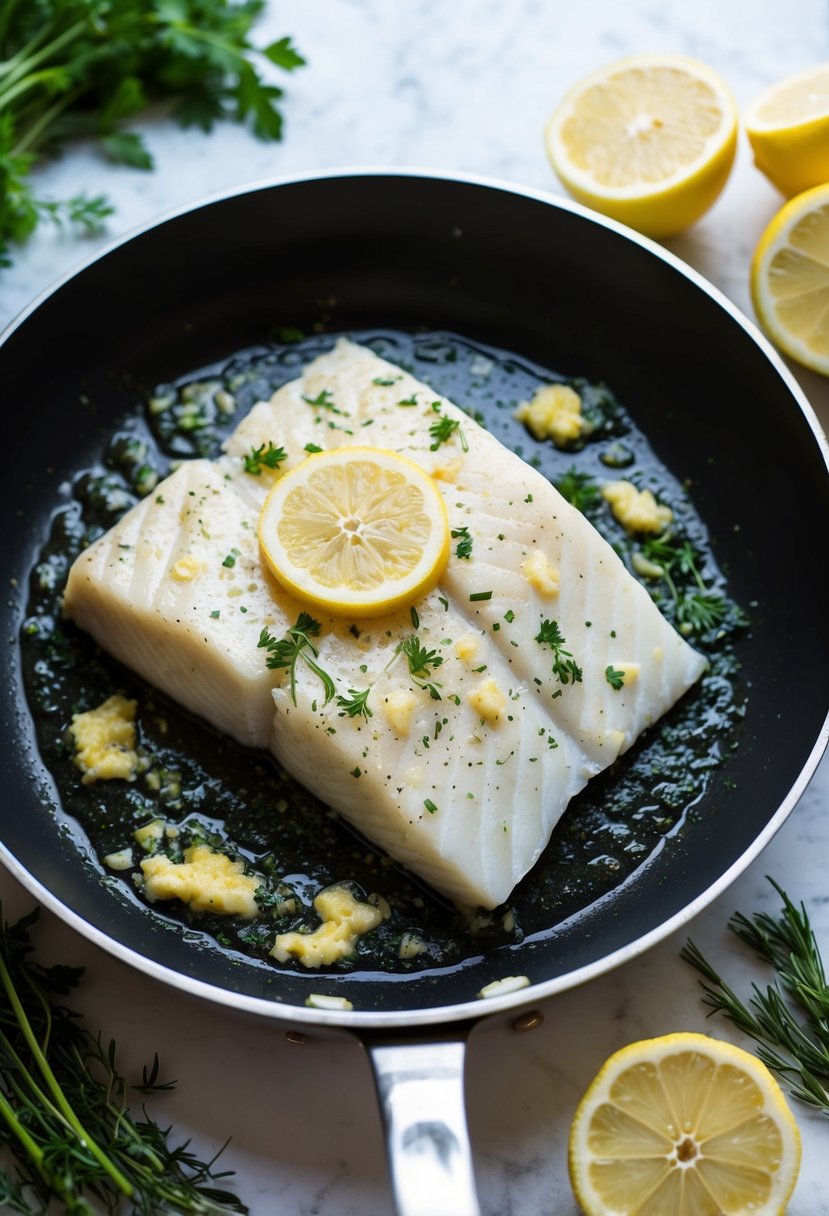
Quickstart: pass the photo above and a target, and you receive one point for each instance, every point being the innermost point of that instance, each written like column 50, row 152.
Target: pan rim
column 358, row 1020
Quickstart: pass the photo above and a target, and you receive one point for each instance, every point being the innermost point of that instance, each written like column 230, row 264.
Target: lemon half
column 790, row 279
column 357, row 531
column 649, row 140
column 788, row 129
column 685, row 1124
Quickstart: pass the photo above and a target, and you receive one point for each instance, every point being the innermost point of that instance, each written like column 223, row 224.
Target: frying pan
column 552, row 283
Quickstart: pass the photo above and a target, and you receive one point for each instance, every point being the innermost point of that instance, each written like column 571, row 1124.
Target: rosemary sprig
column 789, row 1020
column 63, row 1108
column 296, row 645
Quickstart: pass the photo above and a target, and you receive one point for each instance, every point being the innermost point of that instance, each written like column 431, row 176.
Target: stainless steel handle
column 420, row 1086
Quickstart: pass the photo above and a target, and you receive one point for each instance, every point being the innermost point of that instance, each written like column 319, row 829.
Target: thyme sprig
column 64, row 1116
column 296, row 645
column 789, row 1020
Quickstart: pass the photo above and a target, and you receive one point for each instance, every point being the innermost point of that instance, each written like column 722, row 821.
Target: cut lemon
column 357, row 531
column 649, row 140
column 790, row 279
column 788, row 129
column 687, row 1125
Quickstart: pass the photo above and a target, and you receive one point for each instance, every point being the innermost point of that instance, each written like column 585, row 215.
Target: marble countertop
column 465, row 85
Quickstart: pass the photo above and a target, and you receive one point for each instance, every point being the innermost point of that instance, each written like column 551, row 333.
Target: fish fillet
column 462, row 783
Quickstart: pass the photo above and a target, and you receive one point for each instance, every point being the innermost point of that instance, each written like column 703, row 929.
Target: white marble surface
column 457, row 84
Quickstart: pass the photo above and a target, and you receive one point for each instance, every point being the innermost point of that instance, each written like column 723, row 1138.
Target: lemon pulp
column 649, row 140
column 357, row 531
column 685, row 1124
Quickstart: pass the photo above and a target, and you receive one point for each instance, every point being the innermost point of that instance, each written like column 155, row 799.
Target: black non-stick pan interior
column 518, row 272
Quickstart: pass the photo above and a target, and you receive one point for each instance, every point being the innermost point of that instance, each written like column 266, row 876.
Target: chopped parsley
column 230, row 560
column 475, row 596
column 312, row 447
column 614, row 677
column 580, row 490
column 442, row 430
column 430, row 806
column 464, row 546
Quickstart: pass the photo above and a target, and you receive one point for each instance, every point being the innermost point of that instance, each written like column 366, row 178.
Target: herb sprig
column 265, row 456
column 81, row 68
column 64, row 1116
column 421, row 661
column 565, row 668
column 789, row 1020
column 296, row 645
column 697, row 608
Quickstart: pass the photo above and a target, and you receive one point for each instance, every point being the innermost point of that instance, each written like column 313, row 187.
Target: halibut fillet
column 461, row 776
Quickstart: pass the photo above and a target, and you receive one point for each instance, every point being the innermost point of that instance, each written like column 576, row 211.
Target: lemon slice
column 788, row 129
column 790, row 279
column 685, row 1124
column 648, row 140
column 357, row 531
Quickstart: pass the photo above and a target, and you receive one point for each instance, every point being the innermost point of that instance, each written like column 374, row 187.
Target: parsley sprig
column 565, row 667
column 421, row 662
column 789, row 1020
column 296, row 645
column 356, row 705
column 265, row 456
column 443, row 428
column 83, row 68
column 64, row 1117
column 697, row 609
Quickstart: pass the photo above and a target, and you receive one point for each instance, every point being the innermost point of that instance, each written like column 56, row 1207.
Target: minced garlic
column 540, row 573
column 488, row 700
column 344, row 920
column 188, row 568
column 206, row 881
column 105, row 741
column 636, row 510
column 398, row 708
column 553, row 413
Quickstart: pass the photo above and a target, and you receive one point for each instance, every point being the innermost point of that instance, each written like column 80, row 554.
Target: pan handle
column 420, row 1086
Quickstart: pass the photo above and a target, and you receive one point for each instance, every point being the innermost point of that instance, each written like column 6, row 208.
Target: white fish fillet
column 464, row 800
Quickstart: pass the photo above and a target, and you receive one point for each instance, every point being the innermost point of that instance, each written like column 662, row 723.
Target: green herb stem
column 54, row 1088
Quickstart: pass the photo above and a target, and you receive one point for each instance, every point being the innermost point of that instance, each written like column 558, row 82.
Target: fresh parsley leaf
column 442, row 429
column 421, row 662
column 266, row 456
column 356, row 705
column 614, row 677
column 464, row 546
column 81, row 68
column 296, row 645
column 564, row 666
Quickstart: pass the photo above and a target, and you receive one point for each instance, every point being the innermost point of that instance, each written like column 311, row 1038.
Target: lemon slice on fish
column 357, row 531
column 685, row 1124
